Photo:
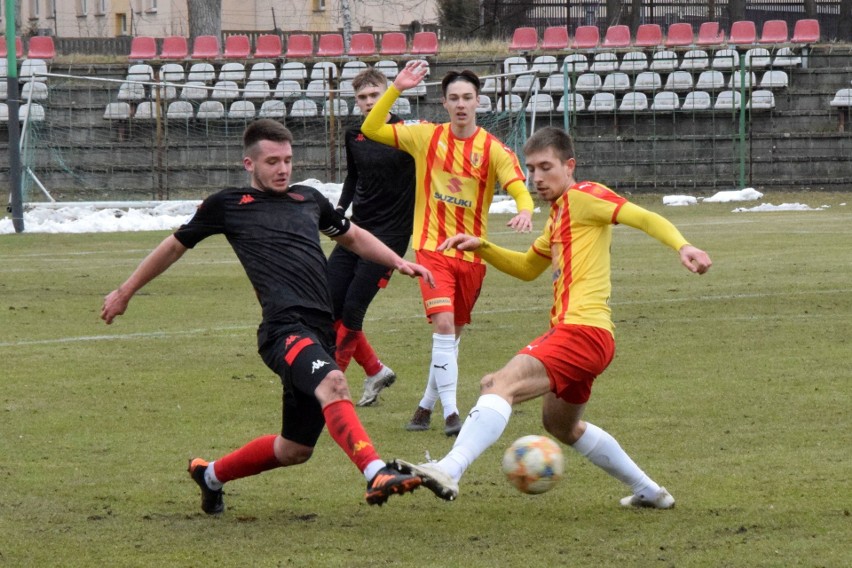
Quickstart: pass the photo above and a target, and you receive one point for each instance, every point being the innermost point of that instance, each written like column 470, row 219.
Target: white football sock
column 210, row 478
column 430, row 395
column 604, row 451
column 483, row 426
column 445, row 369
column 373, row 468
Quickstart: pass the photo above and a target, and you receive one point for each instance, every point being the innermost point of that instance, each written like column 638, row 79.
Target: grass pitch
column 731, row 389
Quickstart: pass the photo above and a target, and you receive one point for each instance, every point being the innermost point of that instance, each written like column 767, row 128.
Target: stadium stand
column 743, row 32
column 774, row 31
column 142, row 48
column 241, row 110
column 539, row 103
column 424, row 43
column 665, row 101
column 555, row 38
column 525, row 84
column 492, row 86
column 35, row 90
column 696, row 100
column 179, row 110
column 232, row 71
column 726, row 59
column 747, row 79
column 19, row 47
column 32, row 112
column 205, row 47
column 299, row 46
column 544, row 65
column 806, row 31
column 695, row 60
column 393, row 43
column 210, row 110
column 33, row 70
column 257, row 90
column 293, row 71
column 174, row 47
column 757, row 58
column 267, row 46
column 555, row 83
column 617, row 36
column 710, row 80
column 634, row 62
column 201, row 72
column 330, row 45
column 663, row 60
column 303, row 108
column 237, row 47
column 272, row 109
column 287, row 89
column 648, row 35
column 510, row 103
column 679, row 81
column 172, row 73
column 524, row 39
column 352, row 68
column 648, row 81
column 602, row 102
column 633, row 102
column 710, row 34
column 586, row 37
column 194, row 91
column 146, row 110
column 761, row 99
column 317, row 89
column 588, row 83
column 727, row 100
column 679, row 35
column 225, row 90
column 576, row 63
column 140, row 72
column 774, row 79
column 515, row 64
column 323, row 70
column 263, row 71
column 575, row 102
column 604, row 62
column 786, row 57
column 117, row 111
column 362, row 45
column 616, row 83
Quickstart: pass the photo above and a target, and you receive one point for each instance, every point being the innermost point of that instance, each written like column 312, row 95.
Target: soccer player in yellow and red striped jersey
column 457, row 166
column 562, row 364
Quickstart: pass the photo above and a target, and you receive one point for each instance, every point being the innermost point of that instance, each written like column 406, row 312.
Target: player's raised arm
column 523, row 265
column 367, row 246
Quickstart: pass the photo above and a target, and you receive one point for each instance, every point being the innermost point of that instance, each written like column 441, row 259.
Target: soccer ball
column 533, row 464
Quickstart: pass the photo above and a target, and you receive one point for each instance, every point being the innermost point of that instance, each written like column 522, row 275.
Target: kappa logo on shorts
column 289, row 341
column 317, row 365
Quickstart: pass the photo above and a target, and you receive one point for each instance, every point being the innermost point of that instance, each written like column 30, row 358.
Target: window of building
column 319, row 5
column 100, row 7
column 82, row 7
column 35, row 9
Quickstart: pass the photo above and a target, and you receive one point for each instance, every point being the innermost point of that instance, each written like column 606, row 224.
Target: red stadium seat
column 743, row 32
column 649, row 35
column 394, row 43
column 237, row 47
column 586, row 37
column 41, row 47
column 425, row 43
column 555, row 37
column 617, row 36
column 268, row 46
column 174, row 47
column 142, row 48
column 806, row 31
column 524, row 39
column 300, row 45
column 19, row 47
column 679, row 35
column 774, row 31
column 362, row 44
column 330, row 45
column 709, row 33
column 205, row 47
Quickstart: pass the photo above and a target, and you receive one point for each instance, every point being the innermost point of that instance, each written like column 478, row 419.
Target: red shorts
column 457, row 285
column 573, row 355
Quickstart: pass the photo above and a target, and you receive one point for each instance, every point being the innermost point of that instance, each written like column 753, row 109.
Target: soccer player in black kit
column 379, row 185
column 274, row 229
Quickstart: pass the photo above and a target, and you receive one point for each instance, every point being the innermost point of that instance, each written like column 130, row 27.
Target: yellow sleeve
column 374, row 126
column 653, row 224
column 521, row 195
column 524, row 265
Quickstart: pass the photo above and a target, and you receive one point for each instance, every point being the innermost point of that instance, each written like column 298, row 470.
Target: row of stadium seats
column 33, row 90
column 269, row 46
column 647, row 81
column 30, row 70
column 38, row 47
column 33, row 112
column 631, row 102
column 743, row 32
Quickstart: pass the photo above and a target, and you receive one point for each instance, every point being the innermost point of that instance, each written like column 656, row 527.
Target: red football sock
column 347, row 342
column 346, row 429
column 365, row 356
column 255, row 457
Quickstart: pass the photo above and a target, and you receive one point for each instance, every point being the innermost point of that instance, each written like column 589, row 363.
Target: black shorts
column 301, row 353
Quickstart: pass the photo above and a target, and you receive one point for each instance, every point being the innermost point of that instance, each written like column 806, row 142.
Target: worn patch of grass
column 731, row 389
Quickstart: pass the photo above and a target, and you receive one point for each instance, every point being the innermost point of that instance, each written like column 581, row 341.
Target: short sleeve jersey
column 455, row 181
column 276, row 238
column 577, row 239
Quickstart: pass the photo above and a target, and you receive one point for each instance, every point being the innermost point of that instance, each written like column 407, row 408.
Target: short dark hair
column 551, row 137
column 369, row 77
column 466, row 75
column 265, row 129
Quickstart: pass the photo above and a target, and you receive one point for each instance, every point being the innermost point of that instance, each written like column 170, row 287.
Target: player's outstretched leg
column 374, row 384
column 390, row 481
column 433, row 478
column 212, row 501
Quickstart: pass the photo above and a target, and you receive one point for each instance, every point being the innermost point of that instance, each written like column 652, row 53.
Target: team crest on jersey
column 476, row 159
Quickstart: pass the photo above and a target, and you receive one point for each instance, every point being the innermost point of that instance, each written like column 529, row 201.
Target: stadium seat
column 31, row 112
column 743, row 32
column 174, row 47
column 525, row 84
column 726, row 59
column 842, row 98
column 604, row 62
column 695, row 60
column 586, row 37
column 263, row 71
column 588, row 83
column 648, row 35
column 633, row 102
column 362, row 45
column 761, row 99
column 323, row 70
column 330, row 45
column 117, row 111
column 747, row 79
column 493, row 86
column 140, row 72
column 225, row 90
column 164, row 91
column 575, row 102
column 786, row 57
column 665, row 101
column 401, row 107
column 510, row 103
column 696, row 100
column 194, row 91
column 205, row 47
column 555, row 37
column 3, row 70
column 727, row 100
column 544, row 65
column 774, row 79
column 287, row 89
column 774, row 31
column 172, row 73
column 267, row 46
column 484, row 105
column 617, row 36
column 146, row 110
column 293, row 71
column 41, row 47
column 393, row 43
column 648, row 81
column 616, row 83
column 710, row 80
column 241, row 110
column 633, row 62
column 757, row 58
column 201, row 72
column 232, row 71
column 679, row 35
column 602, row 102
column 3, row 89
column 806, row 31
column 352, row 68
column 237, row 47
column 272, row 109
column 210, row 110
column 299, row 46
column 4, row 112
column 515, row 64
column 338, row 107
column 143, row 48
column 539, row 103
column 710, row 33
column 303, row 108
column 19, row 47
column 387, row 67
column 317, row 89
column 179, row 110
column 663, row 60
column 424, row 43
column 257, row 90
column 33, row 70
column 524, row 39
column 555, row 83
column 36, row 91
column 679, row 81
column 575, row 63
column 345, row 89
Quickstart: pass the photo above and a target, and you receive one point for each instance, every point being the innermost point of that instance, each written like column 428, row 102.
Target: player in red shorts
column 562, row 364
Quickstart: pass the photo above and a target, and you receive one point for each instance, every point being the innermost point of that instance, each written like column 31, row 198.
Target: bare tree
column 347, row 23
column 737, row 10
column 635, row 15
column 844, row 26
column 205, row 17
column 613, row 12
column 810, row 9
